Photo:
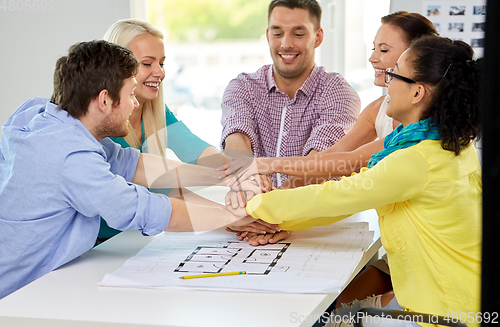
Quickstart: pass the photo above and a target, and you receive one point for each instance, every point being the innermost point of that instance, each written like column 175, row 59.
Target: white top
column 383, row 123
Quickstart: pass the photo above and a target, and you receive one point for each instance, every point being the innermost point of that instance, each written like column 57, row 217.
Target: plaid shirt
column 324, row 108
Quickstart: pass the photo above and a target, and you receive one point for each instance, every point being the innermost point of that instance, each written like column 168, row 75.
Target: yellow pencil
column 215, row 275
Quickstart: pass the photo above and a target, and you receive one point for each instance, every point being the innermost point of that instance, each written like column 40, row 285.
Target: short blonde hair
column 123, row 32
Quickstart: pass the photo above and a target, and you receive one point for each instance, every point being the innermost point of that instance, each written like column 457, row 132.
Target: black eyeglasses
column 389, row 75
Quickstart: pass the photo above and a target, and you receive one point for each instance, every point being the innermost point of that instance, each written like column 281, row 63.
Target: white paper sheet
column 316, row 261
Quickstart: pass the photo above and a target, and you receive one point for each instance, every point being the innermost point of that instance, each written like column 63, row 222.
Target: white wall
column 32, row 40
column 408, row 5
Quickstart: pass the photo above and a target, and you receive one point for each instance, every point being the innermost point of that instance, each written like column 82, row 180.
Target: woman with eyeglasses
column 425, row 185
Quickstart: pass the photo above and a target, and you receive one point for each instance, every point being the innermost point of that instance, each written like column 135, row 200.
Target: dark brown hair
column 311, row 5
column 89, row 68
column 412, row 24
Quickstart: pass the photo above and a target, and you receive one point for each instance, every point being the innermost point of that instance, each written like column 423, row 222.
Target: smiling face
column 116, row 123
column 388, row 46
column 405, row 103
column 150, row 52
column 292, row 39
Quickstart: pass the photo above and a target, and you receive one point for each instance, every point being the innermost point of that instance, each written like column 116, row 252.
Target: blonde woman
column 153, row 127
column 148, row 123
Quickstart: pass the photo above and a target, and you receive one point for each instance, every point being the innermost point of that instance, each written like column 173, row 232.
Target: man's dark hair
column 311, row 5
column 89, row 68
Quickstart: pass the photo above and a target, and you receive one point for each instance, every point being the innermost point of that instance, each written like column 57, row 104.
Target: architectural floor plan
column 225, row 256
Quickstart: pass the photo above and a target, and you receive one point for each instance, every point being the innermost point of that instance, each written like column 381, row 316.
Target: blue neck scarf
column 405, row 137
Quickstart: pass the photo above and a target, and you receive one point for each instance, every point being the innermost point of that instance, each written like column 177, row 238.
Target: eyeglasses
column 389, row 75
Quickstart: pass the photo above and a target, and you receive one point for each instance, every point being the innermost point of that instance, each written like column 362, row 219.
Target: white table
column 69, row 296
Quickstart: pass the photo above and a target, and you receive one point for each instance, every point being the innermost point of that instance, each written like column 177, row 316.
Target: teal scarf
column 404, row 137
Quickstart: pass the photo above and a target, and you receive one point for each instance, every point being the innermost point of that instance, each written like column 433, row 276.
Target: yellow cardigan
column 429, row 206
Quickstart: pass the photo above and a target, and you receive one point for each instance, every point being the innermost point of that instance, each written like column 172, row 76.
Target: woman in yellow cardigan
column 425, row 184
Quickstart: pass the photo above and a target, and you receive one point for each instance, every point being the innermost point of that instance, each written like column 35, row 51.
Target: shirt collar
column 271, row 83
column 307, row 88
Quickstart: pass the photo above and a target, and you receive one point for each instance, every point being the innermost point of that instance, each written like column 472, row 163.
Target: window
column 210, row 42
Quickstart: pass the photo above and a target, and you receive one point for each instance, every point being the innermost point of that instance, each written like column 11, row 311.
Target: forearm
column 238, row 145
column 211, row 157
column 156, row 172
column 323, row 165
column 396, row 178
column 352, row 141
column 363, row 131
column 191, row 197
column 321, row 203
column 308, row 223
column 189, row 217
column 319, row 166
column 295, row 181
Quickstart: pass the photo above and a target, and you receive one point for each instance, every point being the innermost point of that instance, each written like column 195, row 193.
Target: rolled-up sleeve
column 237, row 115
column 91, row 188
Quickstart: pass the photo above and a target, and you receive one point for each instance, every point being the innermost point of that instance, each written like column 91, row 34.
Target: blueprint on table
column 317, row 261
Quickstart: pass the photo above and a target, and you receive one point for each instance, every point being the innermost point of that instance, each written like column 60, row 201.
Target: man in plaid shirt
column 292, row 107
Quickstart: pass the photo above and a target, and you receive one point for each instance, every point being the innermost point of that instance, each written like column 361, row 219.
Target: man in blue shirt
column 59, row 172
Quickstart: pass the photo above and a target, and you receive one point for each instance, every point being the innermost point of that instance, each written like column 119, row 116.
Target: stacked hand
column 244, row 191
column 261, row 239
column 244, row 168
column 248, row 181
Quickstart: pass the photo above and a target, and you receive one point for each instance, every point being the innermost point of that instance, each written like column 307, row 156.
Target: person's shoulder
column 35, row 101
column 331, row 87
column 256, row 82
column 328, row 80
column 115, row 144
column 44, row 128
column 374, row 106
column 428, row 148
column 406, row 160
column 444, row 162
column 430, row 151
column 371, row 111
column 119, row 140
column 27, row 111
column 258, row 75
column 329, row 76
column 73, row 140
column 170, row 116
